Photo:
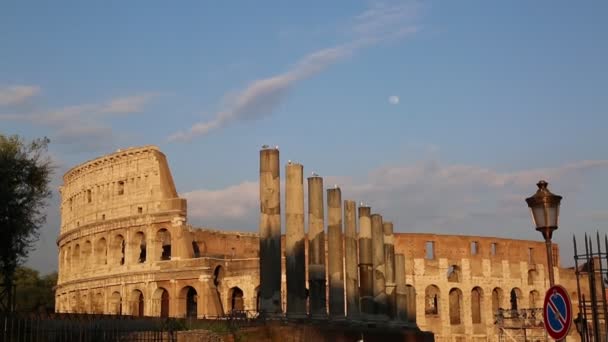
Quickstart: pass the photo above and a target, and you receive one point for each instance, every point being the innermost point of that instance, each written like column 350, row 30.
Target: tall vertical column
column 295, row 262
column 335, row 266
column 350, row 259
column 316, row 248
column 270, row 232
column 378, row 264
column 366, row 289
column 401, row 300
column 389, row 268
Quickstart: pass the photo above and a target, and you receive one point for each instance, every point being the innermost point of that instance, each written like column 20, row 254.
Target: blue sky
column 492, row 97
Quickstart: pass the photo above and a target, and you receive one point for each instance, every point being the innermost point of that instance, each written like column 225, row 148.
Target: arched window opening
column 160, row 303
column 196, row 251
column 532, row 277
column 139, row 248
column 101, row 252
column 218, row 276
column 137, row 303
column 515, row 298
column 98, row 303
column 164, row 239
column 236, row 300
column 116, row 304
column 121, row 187
column 431, row 297
column 118, row 250
column 454, row 274
column 76, row 258
column 535, row 299
column 476, row 304
column 496, row 300
column 455, row 306
column 87, row 251
column 191, row 300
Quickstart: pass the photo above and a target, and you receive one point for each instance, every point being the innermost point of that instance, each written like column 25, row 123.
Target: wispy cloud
column 261, row 97
column 83, row 125
column 17, row 94
column 426, row 196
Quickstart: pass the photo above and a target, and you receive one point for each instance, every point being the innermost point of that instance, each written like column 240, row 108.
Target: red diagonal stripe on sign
column 553, row 308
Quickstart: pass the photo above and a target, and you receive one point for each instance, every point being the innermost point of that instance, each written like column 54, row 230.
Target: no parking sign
column 557, row 312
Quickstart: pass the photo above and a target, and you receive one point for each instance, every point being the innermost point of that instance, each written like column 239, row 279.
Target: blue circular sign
column 557, row 312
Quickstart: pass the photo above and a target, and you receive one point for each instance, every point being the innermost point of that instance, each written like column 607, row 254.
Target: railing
column 78, row 327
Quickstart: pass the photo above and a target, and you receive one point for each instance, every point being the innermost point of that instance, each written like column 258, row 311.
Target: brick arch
column 497, row 299
column 86, row 253
column 432, row 299
column 455, row 305
column 138, row 248
column 163, row 244
column 477, row 302
column 101, row 252
column 188, row 301
column 136, row 302
column 117, row 250
column 76, row 258
column 161, row 301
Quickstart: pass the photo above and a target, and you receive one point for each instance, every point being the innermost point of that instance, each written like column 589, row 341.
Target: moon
column 394, row 99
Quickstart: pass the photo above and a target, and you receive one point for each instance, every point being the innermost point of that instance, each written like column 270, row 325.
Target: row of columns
column 362, row 268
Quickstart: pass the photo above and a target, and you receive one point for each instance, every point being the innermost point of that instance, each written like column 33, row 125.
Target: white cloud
column 394, row 99
column 82, row 126
column 17, row 94
column 261, row 97
column 427, row 196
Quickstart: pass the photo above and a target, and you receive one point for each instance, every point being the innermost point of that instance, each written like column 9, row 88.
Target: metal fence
column 591, row 267
column 18, row 327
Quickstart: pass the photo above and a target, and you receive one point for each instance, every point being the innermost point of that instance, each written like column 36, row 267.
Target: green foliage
column 24, row 188
column 34, row 293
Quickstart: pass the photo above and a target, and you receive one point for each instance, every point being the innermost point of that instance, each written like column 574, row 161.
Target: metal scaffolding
column 523, row 325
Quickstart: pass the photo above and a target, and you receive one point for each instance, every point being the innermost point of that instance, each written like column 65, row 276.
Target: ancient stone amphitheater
column 125, row 247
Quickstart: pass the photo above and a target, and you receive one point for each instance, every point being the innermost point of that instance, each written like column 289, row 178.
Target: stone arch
column 138, row 248
column 477, row 305
column 534, row 299
column 115, row 303
column 218, row 276
column 76, row 258
column 515, row 298
column 136, row 302
column 189, row 301
column 532, row 276
column 196, row 251
column 237, row 303
column 454, row 274
column 497, row 299
column 86, row 253
column 455, row 297
column 98, row 303
column 431, row 300
column 101, row 252
column 117, row 250
column 160, row 300
column 67, row 260
column 163, row 243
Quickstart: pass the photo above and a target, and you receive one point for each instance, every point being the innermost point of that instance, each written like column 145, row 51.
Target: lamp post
column 544, row 207
column 581, row 326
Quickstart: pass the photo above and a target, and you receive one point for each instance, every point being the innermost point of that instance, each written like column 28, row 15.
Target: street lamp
column 544, row 207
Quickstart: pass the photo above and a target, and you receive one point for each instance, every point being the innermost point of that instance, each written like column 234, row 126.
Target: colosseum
column 125, row 247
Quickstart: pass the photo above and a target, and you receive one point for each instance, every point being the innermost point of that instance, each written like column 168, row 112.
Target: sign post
column 557, row 312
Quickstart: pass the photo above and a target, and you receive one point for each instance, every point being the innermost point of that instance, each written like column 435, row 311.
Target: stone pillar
column 410, row 299
column 350, row 259
column 380, row 300
column 270, row 232
column 401, row 290
column 389, row 268
column 295, row 261
column 366, row 289
column 316, row 248
column 335, row 267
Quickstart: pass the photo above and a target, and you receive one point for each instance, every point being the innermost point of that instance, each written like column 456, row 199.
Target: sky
column 440, row 115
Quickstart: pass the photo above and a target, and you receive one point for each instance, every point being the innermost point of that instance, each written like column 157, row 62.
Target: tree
column 24, row 188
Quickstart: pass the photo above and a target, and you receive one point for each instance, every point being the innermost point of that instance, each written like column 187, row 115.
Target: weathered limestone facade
column 125, row 247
